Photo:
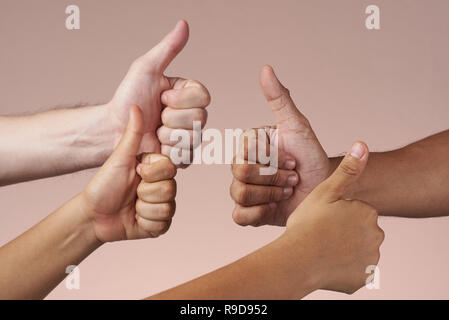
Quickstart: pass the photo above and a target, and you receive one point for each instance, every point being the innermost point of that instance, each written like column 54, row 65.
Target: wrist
column 85, row 226
column 109, row 128
column 74, row 231
column 114, row 126
column 92, row 135
column 305, row 273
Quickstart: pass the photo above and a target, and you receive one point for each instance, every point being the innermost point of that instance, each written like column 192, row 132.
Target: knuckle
column 159, row 228
column 165, row 115
column 239, row 217
column 243, row 195
column 201, row 116
column 166, row 211
column 146, row 172
column 242, row 172
column 203, row 95
column 276, row 179
column 258, row 216
column 239, row 192
column 168, row 189
column 349, row 168
column 206, row 97
column 169, row 170
column 201, row 90
column 160, row 132
column 139, row 206
column 141, row 190
column 193, row 83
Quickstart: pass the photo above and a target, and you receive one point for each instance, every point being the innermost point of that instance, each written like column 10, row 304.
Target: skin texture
column 167, row 102
column 107, row 210
column 306, row 158
column 409, row 182
column 111, row 196
column 328, row 243
column 68, row 140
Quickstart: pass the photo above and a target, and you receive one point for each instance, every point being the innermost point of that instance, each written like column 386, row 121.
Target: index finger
column 186, row 94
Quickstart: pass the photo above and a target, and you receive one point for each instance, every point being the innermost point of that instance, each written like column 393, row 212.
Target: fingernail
column 138, row 169
column 290, row 164
column 292, row 180
column 288, row 192
column 357, row 150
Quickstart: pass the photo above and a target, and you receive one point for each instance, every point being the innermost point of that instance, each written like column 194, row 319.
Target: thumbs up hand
column 167, row 103
column 110, row 199
column 303, row 164
column 342, row 236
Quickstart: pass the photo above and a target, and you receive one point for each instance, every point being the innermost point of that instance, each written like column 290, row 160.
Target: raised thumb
column 347, row 173
column 160, row 56
column 278, row 97
column 129, row 144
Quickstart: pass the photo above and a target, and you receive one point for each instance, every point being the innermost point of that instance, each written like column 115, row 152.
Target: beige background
column 386, row 87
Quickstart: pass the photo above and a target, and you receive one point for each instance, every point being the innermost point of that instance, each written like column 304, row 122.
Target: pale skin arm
column 409, row 182
column 54, row 142
column 67, row 140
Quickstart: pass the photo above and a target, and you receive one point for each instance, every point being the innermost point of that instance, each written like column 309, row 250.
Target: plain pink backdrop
column 386, row 87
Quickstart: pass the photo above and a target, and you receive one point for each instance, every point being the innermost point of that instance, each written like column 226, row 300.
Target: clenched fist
column 303, row 164
column 167, row 103
column 118, row 203
column 342, row 235
column 156, row 193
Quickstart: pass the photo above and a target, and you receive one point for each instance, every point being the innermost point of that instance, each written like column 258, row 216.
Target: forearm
column 35, row 262
column 281, row 270
column 409, row 182
column 54, row 142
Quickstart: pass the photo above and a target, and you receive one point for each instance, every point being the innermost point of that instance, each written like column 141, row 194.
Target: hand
column 156, row 193
column 173, row 102
column 342, row 235
column 303, row 164
column 109, row 201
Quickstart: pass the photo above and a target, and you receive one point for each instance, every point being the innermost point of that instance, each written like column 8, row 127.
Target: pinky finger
column 152, row 228
column 256, row 215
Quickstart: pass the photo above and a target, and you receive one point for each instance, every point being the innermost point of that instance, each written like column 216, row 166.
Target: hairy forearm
column 281, row 270
column 409, row 182
column 54, row 142
column 36, row 262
